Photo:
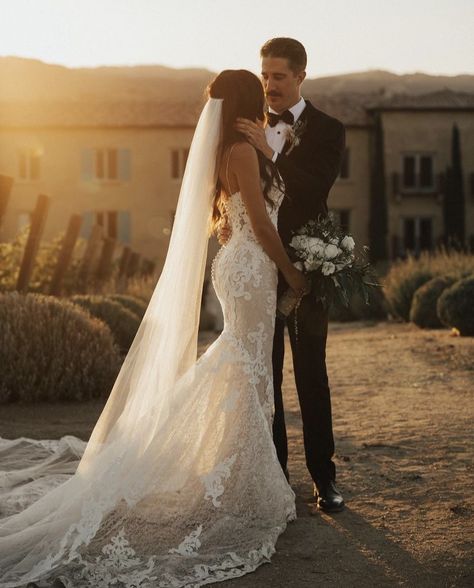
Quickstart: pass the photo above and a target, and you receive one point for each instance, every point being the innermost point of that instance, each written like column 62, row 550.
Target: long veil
column 52, row 528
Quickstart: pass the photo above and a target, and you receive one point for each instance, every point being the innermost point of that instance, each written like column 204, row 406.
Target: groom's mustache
column 273, row 94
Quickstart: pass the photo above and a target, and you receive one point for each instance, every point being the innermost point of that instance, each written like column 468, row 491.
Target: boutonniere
column 294, row 133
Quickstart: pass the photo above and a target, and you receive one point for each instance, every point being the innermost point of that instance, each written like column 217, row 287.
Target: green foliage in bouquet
column 423, row 308
column 122, row 322
column 335, row 270
column 53, row 350
column 456, row 307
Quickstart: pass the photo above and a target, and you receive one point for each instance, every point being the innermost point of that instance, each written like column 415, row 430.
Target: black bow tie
column 285, row 116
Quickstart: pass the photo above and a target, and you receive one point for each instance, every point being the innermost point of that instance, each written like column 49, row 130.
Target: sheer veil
column 163, row 352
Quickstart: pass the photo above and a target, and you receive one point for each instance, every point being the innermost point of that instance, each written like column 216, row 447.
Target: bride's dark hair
column 243, row 96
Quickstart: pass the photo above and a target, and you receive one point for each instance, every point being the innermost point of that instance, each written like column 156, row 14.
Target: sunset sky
column 341, row 36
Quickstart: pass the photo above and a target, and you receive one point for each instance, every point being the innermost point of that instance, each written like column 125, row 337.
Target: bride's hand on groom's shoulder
column 255, row 134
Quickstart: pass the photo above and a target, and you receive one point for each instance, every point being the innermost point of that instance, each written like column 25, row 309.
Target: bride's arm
column 244, row 165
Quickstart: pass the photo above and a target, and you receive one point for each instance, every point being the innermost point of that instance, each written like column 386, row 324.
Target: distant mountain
column 387, row 83
column 32, row 80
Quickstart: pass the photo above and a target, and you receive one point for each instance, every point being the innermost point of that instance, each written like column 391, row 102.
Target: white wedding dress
column 196, row 494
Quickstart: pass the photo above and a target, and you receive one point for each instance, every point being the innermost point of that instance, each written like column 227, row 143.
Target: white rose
column 298, row 242
column 312, row 264
column 331, row 251
column 348, row 243
column 316, row 246
column 328, row 268
column 334, row 241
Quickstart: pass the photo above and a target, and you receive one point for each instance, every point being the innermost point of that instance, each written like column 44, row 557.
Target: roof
column 353, row 109
column 103, row 114
column 441, row 100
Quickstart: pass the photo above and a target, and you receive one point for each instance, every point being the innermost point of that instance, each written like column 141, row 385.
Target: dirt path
column 403, row 414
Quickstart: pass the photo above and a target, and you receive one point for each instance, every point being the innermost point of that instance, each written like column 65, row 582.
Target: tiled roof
column 74, row 114
column 349, row 108
column 442, row 100
column 80, row 114
column 352, row 109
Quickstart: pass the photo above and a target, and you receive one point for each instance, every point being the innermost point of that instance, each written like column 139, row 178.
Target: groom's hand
column 255, row 134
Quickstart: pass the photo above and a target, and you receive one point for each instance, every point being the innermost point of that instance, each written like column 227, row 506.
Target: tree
column 453, row 204
column 378, row 213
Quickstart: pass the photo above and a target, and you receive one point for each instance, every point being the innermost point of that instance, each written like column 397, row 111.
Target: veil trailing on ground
column 164, row 351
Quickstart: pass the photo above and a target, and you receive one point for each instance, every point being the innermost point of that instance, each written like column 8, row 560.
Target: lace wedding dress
column 195, row 493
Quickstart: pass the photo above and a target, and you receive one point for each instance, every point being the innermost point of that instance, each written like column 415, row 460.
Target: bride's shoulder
column 242, row 152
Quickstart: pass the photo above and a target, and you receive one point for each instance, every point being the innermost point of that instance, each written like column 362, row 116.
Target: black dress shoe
column 328, row 497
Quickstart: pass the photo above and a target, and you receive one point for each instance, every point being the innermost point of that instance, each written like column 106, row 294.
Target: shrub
column 423, row 308
column 141, row 287
column 456, row 306
column 132, row 303
column 122, row 322
column 52, row 350
column 399, row 291
column 11, row 255
column 405, row 277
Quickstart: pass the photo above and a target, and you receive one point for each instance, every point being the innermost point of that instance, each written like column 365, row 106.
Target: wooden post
column 34, row 237
column 124, row 261
column 104, row 269
column 148, row 267
column 133, row 264
column 65, row 255
column 6, row 183
column 90, row 254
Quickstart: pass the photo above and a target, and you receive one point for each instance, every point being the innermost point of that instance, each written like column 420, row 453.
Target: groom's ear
column 301, row 76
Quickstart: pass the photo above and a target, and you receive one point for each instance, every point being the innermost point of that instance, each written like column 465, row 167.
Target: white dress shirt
column 276, row 136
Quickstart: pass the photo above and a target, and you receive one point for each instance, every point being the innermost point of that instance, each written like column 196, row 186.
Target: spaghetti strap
column 227, row 170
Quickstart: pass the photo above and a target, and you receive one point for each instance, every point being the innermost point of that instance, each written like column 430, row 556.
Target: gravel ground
column 403, row 412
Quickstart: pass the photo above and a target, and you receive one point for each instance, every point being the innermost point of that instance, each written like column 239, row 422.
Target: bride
column 179, row 484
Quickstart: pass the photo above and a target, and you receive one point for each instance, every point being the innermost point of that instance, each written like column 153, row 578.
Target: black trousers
column 309, row 362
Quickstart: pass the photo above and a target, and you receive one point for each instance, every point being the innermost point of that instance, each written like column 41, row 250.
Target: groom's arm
column 313, row 177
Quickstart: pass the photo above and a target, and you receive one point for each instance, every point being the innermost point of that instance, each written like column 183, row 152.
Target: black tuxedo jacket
column 309, row 170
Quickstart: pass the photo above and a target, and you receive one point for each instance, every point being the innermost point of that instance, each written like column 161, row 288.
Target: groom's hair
column 286, row 48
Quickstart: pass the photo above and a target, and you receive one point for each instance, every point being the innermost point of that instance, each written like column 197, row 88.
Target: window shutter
column 124, row 164
column 87, row 165
column 395, row 183
column 124, row 226
column 87, row 222
column 175, row 163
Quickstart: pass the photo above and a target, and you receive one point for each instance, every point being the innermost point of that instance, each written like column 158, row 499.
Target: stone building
column 121, row 164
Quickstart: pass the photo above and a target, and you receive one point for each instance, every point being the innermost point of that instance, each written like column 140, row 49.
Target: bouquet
column 327, row 257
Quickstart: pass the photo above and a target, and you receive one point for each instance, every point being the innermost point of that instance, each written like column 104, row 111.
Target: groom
column 306, row 146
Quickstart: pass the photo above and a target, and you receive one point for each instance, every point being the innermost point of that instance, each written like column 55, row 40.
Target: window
column 417, row 234
column 179, row 157
column 115, row 223
column 106, row 164
column 345, row 165
column 342, row 217
column 418, row 172
column 29, row 164
column 107, row 219
column 106, row 167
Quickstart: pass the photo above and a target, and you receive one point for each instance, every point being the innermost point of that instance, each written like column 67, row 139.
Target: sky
column 340, row 36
